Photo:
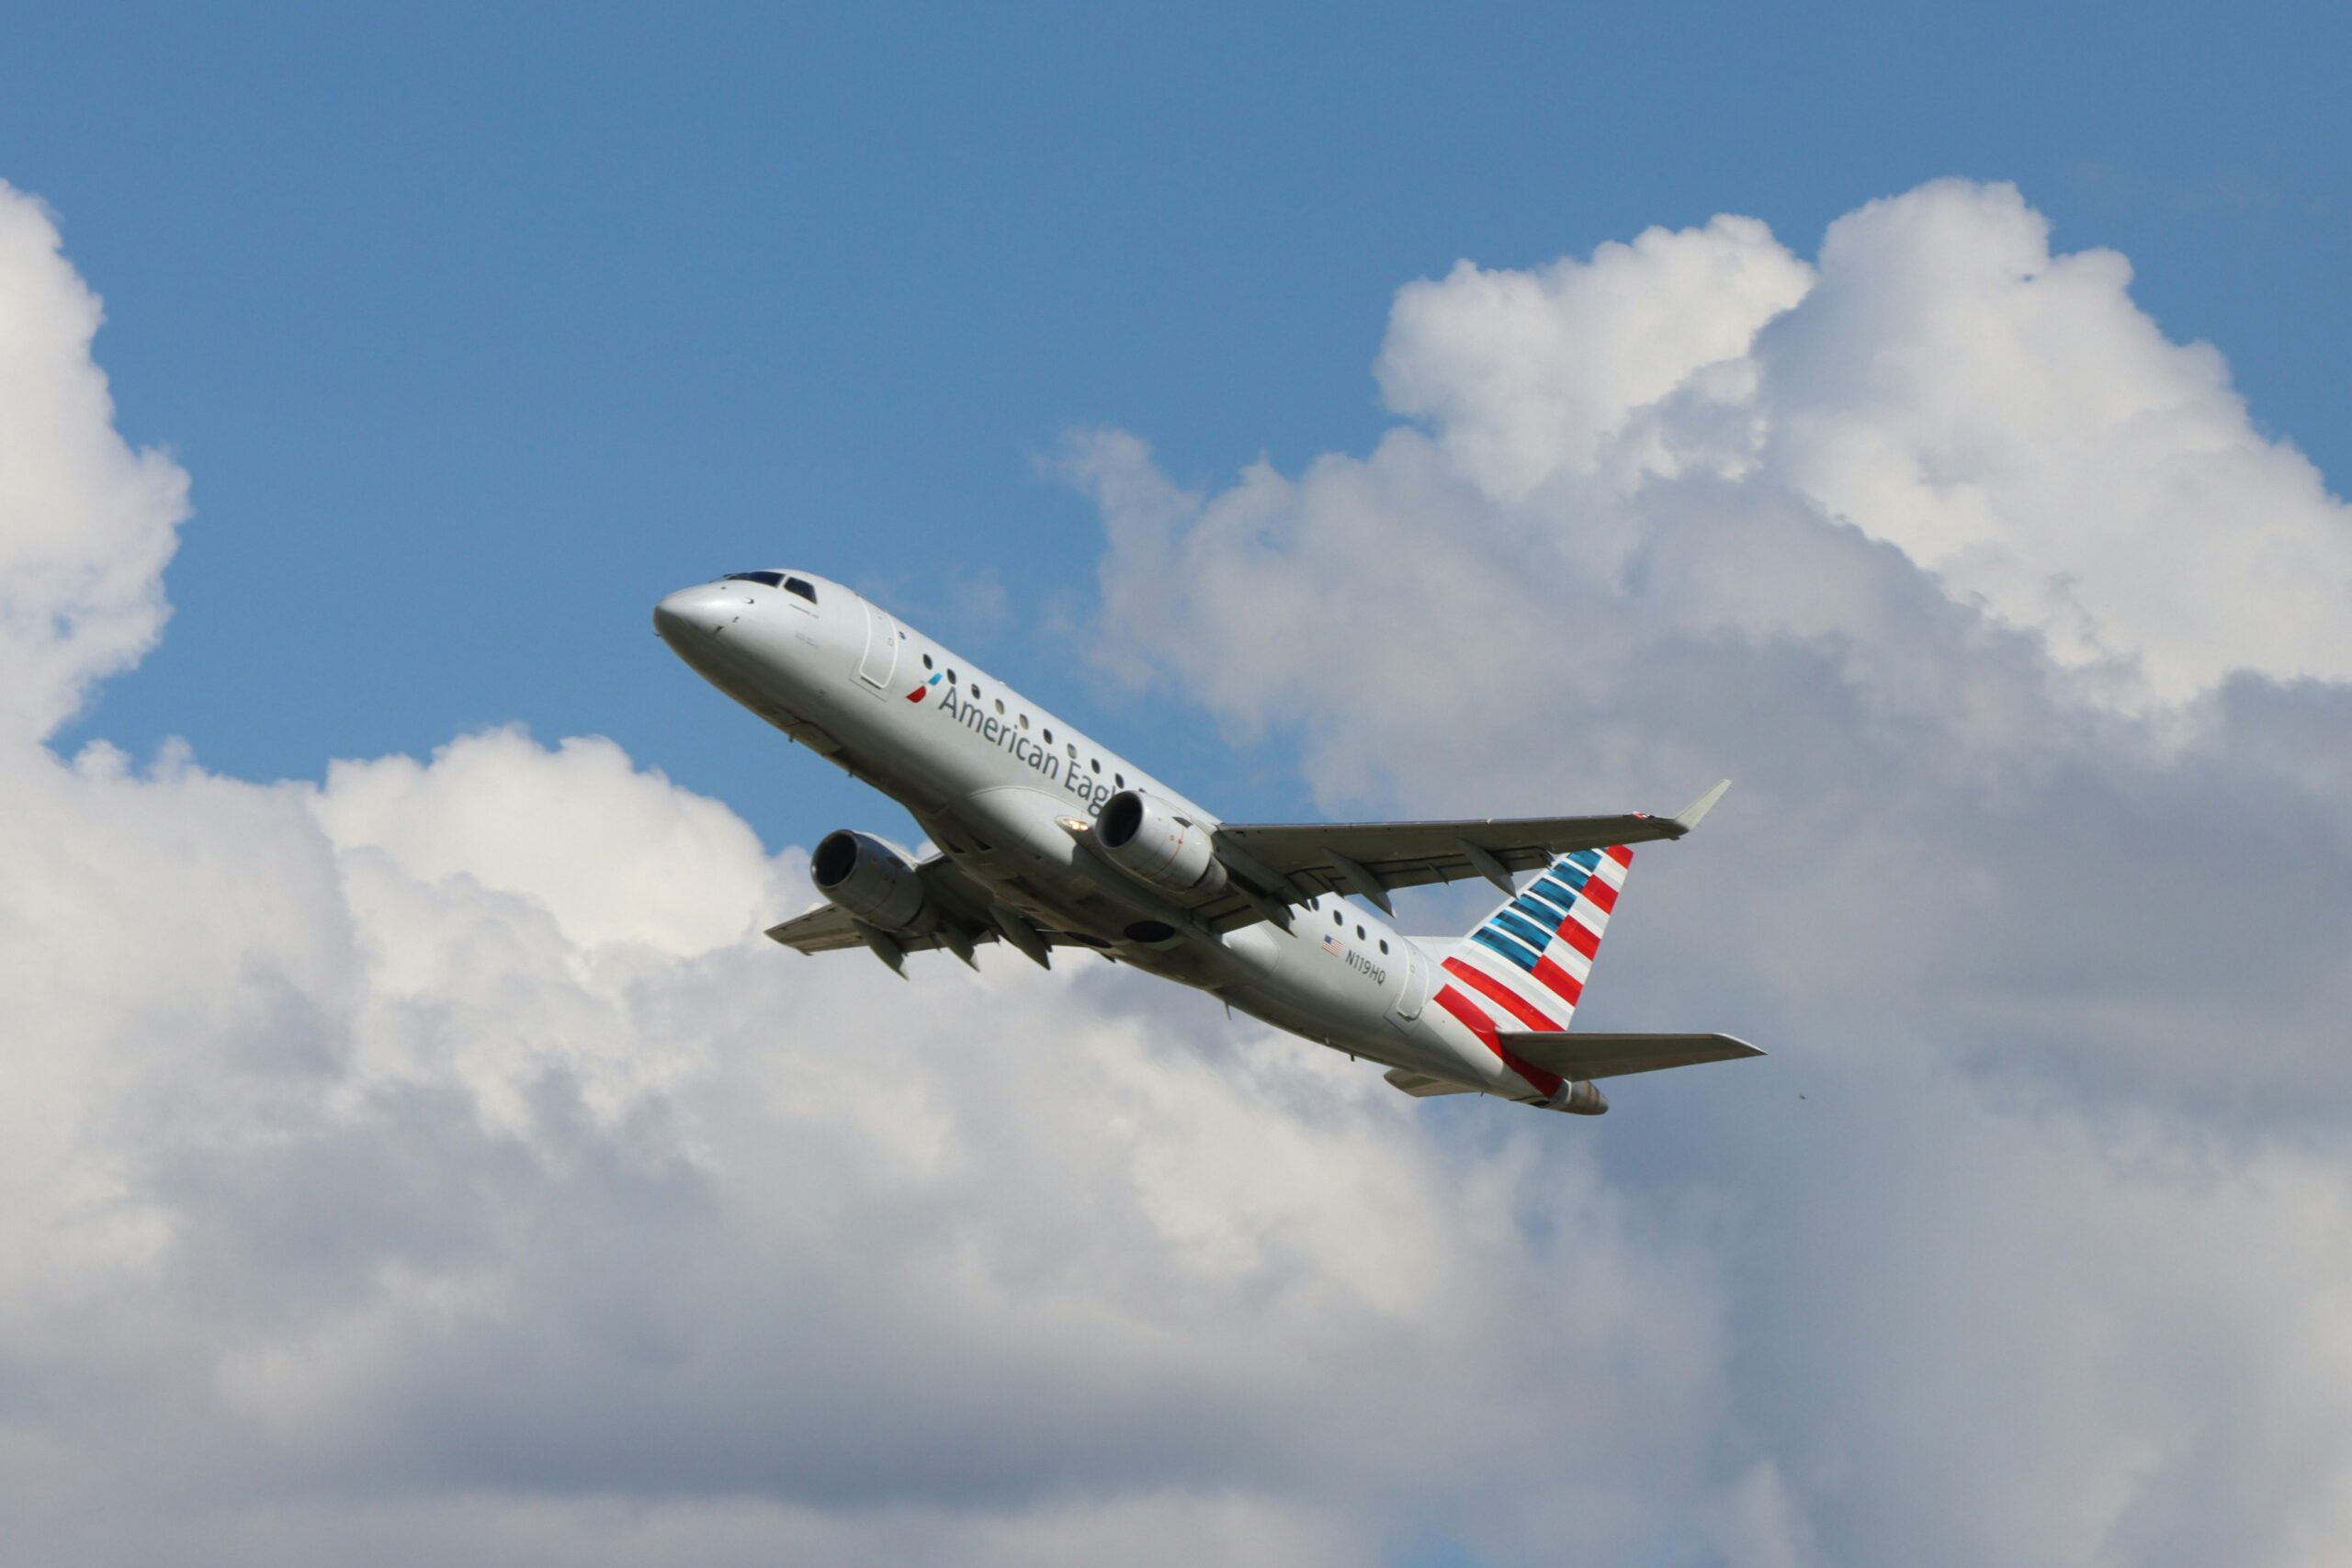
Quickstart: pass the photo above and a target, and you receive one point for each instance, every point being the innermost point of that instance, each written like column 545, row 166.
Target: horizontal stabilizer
column 1582, row 1056
column 1420, row 1085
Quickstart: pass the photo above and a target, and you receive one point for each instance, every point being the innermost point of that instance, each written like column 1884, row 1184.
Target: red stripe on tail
column 1479, row 1024
column 1567, row 985
column 1578, row 935
column 1511, row 1001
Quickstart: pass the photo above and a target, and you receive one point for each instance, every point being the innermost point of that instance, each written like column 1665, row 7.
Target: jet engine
column 1151, row 843
column 1579, row 1098
column 868, row 878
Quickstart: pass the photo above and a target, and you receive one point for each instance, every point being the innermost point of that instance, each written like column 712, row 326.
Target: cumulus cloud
column 2015, row 425
column 2005, row 417
column 434, row 1161
column 1526, row 374
column 437, row 1185
column 90, row 521
column 2020, row 641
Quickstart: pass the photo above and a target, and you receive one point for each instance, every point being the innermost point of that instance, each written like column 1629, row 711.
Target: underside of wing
column 825, row 929
column 1577, row 1055
column 957, row 901
column 1298, row 861
column 828, row 927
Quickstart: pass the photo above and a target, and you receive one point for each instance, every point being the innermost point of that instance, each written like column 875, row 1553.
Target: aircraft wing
column 962, row 903
column 1576, row 1054
column 829, row 928
column 1296, row 861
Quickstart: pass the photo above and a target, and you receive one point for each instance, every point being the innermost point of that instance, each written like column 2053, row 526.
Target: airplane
column 1047, row 838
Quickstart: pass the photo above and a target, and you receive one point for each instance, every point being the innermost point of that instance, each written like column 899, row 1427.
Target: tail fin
column 1531, row 957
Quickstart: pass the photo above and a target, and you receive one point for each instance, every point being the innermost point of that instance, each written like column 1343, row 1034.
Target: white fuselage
column 998, row 782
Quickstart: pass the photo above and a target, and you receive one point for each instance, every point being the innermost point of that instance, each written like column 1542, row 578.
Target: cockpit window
column 800, row 585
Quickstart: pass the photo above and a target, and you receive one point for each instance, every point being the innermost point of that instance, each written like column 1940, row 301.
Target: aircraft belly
column 730, row 668
column 1008, row 840
column 1313, row 992
column 1023, row 853
column 1006, row 834
column 1389, row 1047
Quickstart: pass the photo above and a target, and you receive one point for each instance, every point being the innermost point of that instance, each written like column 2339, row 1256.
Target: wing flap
column 827, row 929
column 1420, row 1085
column 958, row 898
column 824, row 929
column 1579, row 1055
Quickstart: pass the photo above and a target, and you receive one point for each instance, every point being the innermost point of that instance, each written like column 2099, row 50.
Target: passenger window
column 1338, row 918
column 1119, row 779
column 1359, row 933
column 926, row 660
column 1024, row 721
column 1095, row 763
column 805, row 588
column 1383, row 945
column 1049, row 737
column 1072, row 748
column 999, row 705
column 951, row 677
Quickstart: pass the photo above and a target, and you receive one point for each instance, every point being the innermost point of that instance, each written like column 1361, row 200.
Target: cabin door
column 881, row 649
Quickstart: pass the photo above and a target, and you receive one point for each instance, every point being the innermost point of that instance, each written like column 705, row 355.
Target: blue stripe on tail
column 1534, row 935
column 1505, row 946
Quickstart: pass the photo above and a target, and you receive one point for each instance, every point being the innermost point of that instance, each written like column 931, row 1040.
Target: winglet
column 1688, row 818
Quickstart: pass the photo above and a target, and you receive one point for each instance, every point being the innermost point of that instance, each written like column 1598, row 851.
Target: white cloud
column 423, row 1194
column 612, row 855
column 1528, row 374
column 89, row 522
column 2014, row 424
column 1978, row 585
column 435, row 1162
column 437, row 1158
column 2009, row 419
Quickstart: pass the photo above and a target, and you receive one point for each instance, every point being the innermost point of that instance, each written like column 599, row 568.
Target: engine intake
column 1158, row 848
column 865, row 876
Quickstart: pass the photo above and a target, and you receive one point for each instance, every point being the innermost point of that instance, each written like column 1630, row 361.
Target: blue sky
column 478, row 328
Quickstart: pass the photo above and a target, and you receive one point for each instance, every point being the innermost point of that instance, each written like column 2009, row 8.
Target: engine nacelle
column 1151, row 843
column 1579, row 1098
column 865, row 876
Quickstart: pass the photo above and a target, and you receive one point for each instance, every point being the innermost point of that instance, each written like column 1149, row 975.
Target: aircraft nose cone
column 698, row 611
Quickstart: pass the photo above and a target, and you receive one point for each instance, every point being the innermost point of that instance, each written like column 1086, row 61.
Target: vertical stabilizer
column 1525, row 966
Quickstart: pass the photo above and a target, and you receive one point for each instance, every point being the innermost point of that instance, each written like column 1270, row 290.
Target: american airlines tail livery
column 1047, row 839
